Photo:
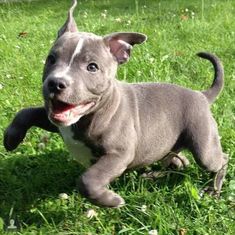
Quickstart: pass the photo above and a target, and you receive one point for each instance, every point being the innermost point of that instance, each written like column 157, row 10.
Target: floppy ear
column 70, row 24
column 120, row 44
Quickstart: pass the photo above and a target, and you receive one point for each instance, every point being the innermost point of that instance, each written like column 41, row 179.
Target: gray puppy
column 111, row 126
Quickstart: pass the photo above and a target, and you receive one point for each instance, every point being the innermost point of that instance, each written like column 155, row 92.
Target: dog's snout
column 56, row 85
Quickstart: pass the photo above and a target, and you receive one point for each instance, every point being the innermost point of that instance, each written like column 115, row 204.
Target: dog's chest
column 78, row 150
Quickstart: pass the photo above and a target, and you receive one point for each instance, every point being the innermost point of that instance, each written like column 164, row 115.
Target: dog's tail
column 218, row 82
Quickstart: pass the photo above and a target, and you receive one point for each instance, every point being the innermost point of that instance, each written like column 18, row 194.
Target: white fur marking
column 78, row 150
column 77, row 50
column 63, row 73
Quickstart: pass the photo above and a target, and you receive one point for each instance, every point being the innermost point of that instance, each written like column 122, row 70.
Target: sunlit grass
column 33, row 176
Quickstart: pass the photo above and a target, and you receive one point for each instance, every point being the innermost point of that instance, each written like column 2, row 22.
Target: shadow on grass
column 29, row 183
column 25, row 180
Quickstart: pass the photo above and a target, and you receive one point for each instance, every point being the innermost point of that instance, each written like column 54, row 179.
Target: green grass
column 33, row 176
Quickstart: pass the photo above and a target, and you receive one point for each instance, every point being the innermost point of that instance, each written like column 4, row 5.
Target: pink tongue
column 60, row 107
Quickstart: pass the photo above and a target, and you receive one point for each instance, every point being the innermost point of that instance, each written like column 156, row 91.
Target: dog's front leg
column 24, row 120
column 93, row 183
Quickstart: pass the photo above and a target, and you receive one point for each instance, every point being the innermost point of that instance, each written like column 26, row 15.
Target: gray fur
column 122, row 125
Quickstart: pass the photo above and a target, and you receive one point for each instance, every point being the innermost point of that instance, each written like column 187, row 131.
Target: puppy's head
column 80, row 69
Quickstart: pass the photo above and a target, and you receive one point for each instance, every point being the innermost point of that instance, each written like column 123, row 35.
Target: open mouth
column 65, row 114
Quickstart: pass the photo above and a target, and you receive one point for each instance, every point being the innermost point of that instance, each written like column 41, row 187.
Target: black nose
column 56, row 85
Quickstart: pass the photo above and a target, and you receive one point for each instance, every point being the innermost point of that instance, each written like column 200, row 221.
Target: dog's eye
column 51, row 59
column 92, row 67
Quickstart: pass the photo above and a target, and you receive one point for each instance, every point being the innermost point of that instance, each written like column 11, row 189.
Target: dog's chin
column 65, row 114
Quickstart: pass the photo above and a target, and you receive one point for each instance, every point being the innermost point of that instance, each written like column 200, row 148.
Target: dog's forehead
column 71, row 40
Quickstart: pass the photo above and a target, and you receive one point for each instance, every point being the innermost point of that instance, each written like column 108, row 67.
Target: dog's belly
column 146, row 159
column 156, row 147
column 78, row 150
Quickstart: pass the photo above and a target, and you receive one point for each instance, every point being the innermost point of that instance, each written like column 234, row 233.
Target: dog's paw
column 216, row 185
column 176, row 161
column 211, row 191
column 13, row 136
column 109, row 199
column 100, row 196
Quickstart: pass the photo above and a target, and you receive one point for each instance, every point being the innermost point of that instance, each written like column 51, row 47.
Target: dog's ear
column 120, row 44
column 70, row 24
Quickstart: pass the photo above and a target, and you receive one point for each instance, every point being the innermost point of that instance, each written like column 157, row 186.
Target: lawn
column 33, row 177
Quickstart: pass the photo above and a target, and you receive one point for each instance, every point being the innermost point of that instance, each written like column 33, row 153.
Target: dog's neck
column 95, row 122
column 108, row 106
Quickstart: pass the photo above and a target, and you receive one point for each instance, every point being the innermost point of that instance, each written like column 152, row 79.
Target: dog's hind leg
column 173, row 160
column 218, row 178
column 206, row 148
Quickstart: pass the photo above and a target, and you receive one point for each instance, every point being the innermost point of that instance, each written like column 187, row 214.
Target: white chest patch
column 78, row 150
